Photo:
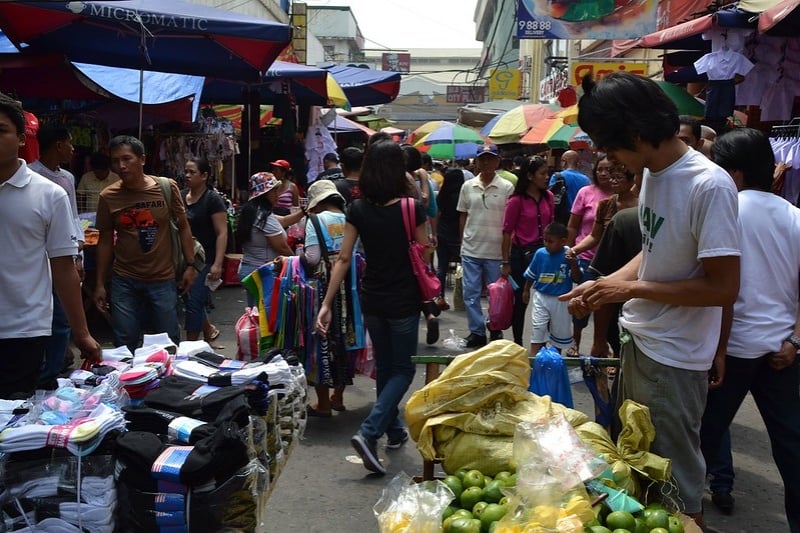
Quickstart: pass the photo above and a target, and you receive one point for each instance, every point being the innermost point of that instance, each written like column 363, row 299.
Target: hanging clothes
column 785, row 141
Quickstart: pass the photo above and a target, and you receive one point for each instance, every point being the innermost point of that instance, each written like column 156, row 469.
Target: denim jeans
column 56, row 348
column 195, row 302
column 477, row 273
column 134, row 302
column 720, row 467
column 395, row 341
column 777, row 396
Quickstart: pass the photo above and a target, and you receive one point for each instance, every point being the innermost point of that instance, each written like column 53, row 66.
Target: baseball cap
column 488, row 149
column 262, row 183
column 281, row 163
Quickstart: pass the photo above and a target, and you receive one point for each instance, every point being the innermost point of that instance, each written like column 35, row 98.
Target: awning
column 687, row 36
column 782, row 19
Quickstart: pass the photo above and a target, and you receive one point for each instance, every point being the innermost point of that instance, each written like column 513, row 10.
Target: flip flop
column 214, row 334
column 339, row 408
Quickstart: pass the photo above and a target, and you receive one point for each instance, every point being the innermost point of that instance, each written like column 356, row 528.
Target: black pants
column 446, row 252
column 20, row 364
column 520, row 258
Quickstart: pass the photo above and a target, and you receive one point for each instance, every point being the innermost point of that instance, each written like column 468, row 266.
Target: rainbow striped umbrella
column 451, row 141
column 555, row 134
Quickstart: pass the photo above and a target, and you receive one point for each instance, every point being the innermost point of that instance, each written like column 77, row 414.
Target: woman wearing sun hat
column 335, row 358
column 288, row 193
column 260, row 231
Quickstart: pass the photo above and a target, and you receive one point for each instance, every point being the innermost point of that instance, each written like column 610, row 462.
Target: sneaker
column 475, row 341
column 433, row 331
column 369, row 455
column 397, row 444
column 495, row 335
column 723, row 501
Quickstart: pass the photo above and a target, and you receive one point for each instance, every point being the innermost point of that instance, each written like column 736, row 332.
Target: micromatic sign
column 130, row 15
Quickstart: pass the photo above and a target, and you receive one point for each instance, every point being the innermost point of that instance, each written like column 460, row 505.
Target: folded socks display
column 175, row 426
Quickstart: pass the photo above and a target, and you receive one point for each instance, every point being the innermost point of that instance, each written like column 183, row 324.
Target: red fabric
column 30, row 150
column 248, row 335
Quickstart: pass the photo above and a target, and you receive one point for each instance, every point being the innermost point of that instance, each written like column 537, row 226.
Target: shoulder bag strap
column 320, row 237
column 166, row 190
column 408, row 207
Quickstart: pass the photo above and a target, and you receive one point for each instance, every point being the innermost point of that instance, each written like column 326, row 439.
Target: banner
column 466, row 94
column 585, row 19
column 504, row 84
column 598, row 70
column 391, row 61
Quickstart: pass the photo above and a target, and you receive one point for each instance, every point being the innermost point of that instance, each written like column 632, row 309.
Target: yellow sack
column 630, row 459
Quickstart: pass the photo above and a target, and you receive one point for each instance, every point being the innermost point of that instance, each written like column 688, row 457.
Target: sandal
column 611, row 371
column 572, row 351
column 319, row 414
column 339, row 408
column 214, row 334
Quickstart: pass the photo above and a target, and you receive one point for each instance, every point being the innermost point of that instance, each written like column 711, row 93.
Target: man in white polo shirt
column 38, row 235
column 481, row 203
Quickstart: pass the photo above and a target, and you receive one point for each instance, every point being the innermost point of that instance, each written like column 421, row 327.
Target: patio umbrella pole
column 141, row 98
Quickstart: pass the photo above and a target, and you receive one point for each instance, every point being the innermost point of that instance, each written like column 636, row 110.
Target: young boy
column 551, row 274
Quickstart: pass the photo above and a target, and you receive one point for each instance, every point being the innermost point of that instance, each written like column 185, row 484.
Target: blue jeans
column 134, row 301
column 477, row 273
column 57, row 347
column 777, row 396
column 195, row 302
column 720, row 467
column 395, row 341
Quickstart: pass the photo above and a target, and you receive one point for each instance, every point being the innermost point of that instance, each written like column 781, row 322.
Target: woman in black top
column 208, row 219
column 390, row 298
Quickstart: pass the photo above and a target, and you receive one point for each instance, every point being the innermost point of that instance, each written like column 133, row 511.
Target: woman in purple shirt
column 529, row 210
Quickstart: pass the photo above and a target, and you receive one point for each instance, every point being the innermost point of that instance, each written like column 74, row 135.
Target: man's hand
column 505, row 270
column 189, row 276
column 215, row 272
column 100, row 298
column 716, row 373
column 526, row 296
column 79, row 267
column 783, row 358
column 90, row 348
column 605, row 291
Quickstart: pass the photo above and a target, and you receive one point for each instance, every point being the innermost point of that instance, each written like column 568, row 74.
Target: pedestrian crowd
column 688, row 266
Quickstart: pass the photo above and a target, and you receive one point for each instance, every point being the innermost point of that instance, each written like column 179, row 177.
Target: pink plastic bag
column 501, row 304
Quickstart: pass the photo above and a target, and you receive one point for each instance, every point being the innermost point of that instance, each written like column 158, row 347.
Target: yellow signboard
column 581, row 68
column 504, row 84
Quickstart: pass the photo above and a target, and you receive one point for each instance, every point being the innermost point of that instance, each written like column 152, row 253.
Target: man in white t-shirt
column 676, row 287
column 765, row 332
column 38, row 237
column 481, row 203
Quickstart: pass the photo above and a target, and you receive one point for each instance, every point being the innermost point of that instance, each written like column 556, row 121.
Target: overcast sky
column 401, row 24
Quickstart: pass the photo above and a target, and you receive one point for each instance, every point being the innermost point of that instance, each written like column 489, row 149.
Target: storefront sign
column 599, row 70
column 553, row 84
column 396, row 62
column 596, row 19
column 504, row 84
column 465, row 94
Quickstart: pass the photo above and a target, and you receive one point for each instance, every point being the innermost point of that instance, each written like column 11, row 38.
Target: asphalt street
column 325, row 488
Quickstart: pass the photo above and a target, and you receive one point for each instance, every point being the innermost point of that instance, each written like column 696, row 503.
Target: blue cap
column 488, row 149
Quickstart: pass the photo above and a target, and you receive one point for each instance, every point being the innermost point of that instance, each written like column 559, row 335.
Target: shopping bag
column 248, row 335
column 429, row 284
column 458, row 290
column 501, row 304
column 550, row 378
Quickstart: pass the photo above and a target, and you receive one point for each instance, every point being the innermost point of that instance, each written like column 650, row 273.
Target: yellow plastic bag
column 630, row 459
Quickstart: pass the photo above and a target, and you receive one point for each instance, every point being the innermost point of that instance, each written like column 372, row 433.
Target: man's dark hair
column 137, row 147
column 378, row 136
column 748, row 151
column 622, row 107
column 331, row 157
column 412, row 157
column 686, row 120
column 49, row 135
column 13, row 109
column 519, row 160
column 351, row 158
column 556, row 229
column 100, row 161
column 427, row 160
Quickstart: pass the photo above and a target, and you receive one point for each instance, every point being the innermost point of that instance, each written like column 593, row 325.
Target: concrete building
column 336, row 29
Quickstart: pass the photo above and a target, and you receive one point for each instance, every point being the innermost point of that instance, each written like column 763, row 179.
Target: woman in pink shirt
column 528, row 211
column 580, row 225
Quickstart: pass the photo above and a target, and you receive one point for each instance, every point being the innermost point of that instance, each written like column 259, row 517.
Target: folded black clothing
column 176, row 394
column 209, row 358
column 143, row 418
column 236, row 410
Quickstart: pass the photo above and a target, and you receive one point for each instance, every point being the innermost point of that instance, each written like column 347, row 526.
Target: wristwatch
column 794, row 340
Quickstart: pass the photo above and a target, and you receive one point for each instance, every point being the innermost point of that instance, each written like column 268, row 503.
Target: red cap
column 281, row 163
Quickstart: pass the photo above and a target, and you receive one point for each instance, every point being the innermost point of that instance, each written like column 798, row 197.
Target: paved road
column 324, row 488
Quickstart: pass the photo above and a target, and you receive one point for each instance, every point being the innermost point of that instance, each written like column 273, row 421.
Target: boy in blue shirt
column 551, row 274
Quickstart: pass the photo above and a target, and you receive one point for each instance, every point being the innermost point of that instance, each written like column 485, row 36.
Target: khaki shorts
column 676, row 399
